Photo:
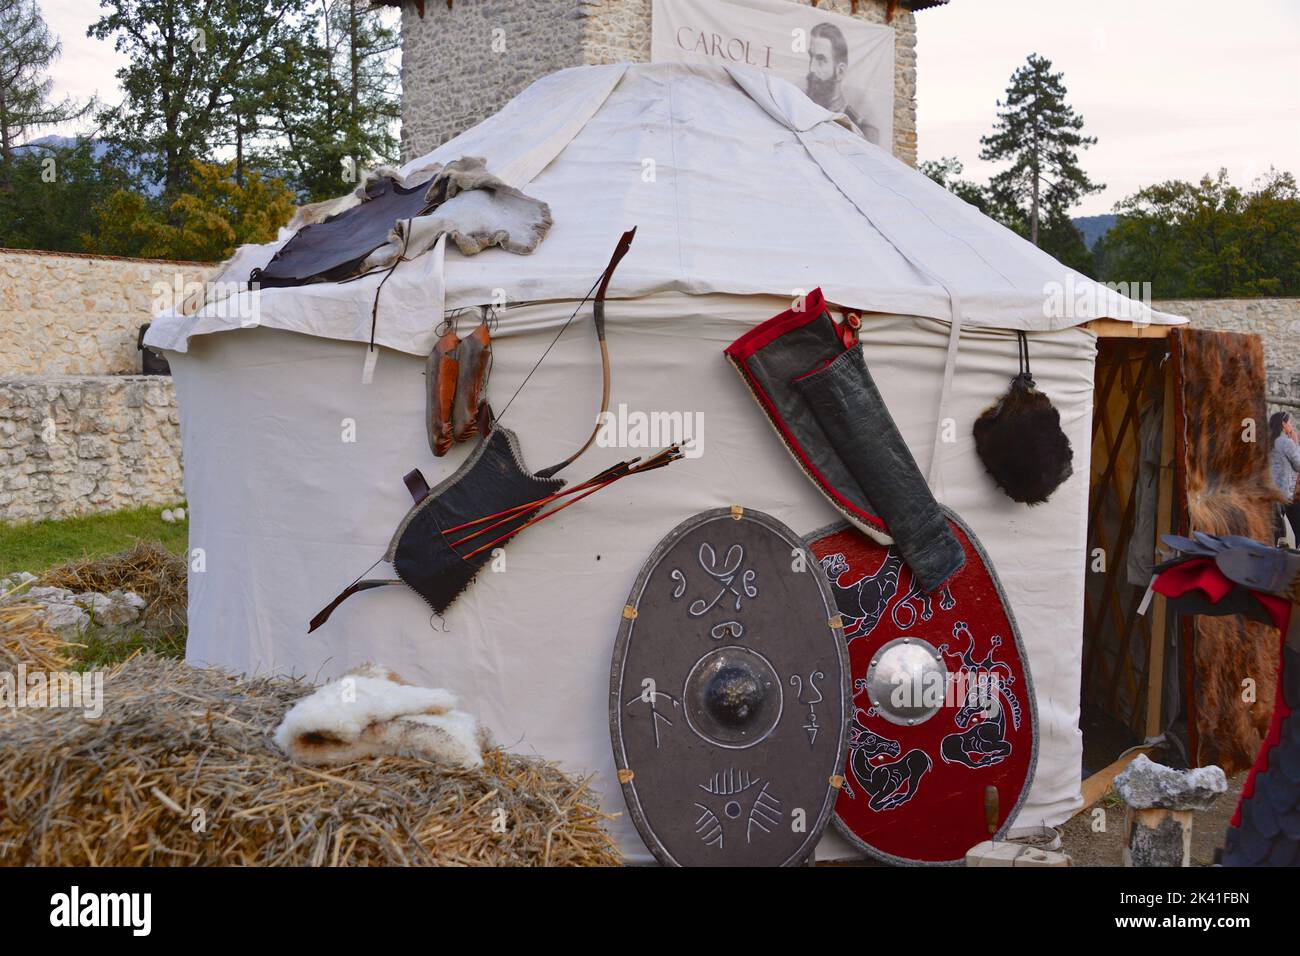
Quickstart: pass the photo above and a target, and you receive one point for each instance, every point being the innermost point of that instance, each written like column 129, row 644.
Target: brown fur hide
column 1229, row 491
column 1020, row 442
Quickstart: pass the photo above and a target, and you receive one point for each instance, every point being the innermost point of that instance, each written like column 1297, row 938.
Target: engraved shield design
column 729, row 695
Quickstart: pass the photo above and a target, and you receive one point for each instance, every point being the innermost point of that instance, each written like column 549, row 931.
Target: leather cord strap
column 416, row 484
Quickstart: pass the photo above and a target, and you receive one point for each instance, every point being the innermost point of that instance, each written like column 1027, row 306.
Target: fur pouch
column 1020, row 441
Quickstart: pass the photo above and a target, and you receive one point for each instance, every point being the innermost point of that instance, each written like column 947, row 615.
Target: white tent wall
column 286, row 511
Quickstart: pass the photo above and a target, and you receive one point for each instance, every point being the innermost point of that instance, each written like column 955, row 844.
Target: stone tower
column 452, row 78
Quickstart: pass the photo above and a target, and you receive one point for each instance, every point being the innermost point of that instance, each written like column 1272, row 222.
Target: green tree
column 1269, row 231
column 1208, row 239
column 1039, row 133
column 338, row 116
column 27, row 50
column 205, row 223
column 124, row 223
column 947, row 173
column 1057, row 236
column 1061, row 238
column 52, row 189
column 188, row 61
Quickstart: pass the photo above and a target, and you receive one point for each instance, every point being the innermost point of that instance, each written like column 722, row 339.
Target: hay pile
column 24, row 637
column 148, row 569
column 181, row 770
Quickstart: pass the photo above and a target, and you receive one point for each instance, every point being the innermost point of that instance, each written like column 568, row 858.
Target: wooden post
column 1164, row 524
column 1153, row 837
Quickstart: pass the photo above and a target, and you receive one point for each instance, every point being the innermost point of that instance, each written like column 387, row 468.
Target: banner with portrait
column 845, row 64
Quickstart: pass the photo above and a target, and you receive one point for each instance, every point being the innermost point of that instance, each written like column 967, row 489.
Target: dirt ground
column 1088, row 847
column 1105, row 847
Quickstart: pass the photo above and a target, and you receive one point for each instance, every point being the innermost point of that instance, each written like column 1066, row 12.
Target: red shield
column 943, row 739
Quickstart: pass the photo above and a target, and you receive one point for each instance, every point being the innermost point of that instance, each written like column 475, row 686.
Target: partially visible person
column 1284, row 463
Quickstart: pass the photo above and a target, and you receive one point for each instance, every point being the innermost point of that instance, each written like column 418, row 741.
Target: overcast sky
column 1171, row 88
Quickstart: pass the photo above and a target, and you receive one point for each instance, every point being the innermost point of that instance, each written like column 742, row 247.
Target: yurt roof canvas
column 739, row 184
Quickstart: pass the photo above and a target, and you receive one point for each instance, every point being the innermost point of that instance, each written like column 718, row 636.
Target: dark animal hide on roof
column 1229, row 491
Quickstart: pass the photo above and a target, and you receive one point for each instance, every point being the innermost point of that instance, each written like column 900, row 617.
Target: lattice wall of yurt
column 1119, row 655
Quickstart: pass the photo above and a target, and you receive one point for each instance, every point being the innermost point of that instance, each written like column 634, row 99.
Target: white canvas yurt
column 745, row 194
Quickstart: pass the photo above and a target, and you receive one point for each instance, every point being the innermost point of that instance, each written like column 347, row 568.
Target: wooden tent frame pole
column 1164, row 525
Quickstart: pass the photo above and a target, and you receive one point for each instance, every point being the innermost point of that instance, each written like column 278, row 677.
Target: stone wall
column 73, row 445
column 64, row 314
column 1276, row 321
column 452, row 77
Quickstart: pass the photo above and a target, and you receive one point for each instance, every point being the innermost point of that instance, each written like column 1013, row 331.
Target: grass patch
column 44, row 544
column 97, row 649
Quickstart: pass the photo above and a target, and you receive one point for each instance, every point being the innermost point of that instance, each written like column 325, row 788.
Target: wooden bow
column 598, row 319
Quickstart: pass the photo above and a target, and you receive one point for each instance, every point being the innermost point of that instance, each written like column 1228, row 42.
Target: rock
column 64, row 612
column 179, row 514
column 65, row 618
column 1145, row 784
column 167, row 515
column 15, row 580
column 71, row 445
column 92, row 603
column 112, row 609
column 47, row 596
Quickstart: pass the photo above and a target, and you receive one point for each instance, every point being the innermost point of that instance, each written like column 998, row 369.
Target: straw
column 180, row 770
column 148, row 569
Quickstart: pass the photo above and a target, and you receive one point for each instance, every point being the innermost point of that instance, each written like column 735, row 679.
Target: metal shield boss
column 943, row 737
column 729, row 695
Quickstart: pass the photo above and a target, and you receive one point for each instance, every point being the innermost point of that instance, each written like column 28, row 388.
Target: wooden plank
column 1123, row 624
column 1114, row 329
column 1164, row 522
column 1095, row 787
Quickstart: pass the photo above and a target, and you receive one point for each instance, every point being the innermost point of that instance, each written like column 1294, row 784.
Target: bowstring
column 537, row 364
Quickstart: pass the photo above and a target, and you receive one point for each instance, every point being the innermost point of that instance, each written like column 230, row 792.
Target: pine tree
column 27, row 49
column 1040, row 134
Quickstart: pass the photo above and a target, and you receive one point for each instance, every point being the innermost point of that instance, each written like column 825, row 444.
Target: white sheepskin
column 481, row 211
column 371, row 711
